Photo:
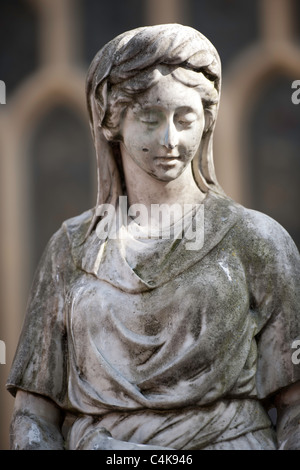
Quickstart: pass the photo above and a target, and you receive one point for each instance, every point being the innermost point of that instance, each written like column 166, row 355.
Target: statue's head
column 127, row 68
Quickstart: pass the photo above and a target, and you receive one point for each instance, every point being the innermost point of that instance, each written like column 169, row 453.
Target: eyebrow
column 137, row 107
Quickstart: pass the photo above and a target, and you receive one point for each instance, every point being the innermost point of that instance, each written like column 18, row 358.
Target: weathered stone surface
column 140, row 340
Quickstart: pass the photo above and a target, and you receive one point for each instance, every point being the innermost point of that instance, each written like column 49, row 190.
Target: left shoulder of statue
column 265, row 238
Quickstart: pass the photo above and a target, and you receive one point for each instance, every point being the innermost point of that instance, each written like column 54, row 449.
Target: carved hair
column 126, row 67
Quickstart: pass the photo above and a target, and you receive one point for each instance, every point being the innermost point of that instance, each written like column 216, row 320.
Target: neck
column 142, row 188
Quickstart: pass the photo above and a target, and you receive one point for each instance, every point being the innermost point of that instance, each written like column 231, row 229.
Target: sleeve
column 274, row 271
column 40, row 364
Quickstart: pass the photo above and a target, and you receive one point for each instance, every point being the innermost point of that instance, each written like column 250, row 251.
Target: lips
column 168, row 158
column 167, row 161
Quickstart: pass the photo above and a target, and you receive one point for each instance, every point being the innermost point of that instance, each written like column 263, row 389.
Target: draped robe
column 159, row 344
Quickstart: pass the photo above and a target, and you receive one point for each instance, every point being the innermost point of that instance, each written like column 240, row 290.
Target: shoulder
column 250, row 229
column 59, row 247
column 260, row 237
column 262, row 228
column 77, row 227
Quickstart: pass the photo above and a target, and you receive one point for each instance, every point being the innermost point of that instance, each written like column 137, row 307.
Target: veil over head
column 122, row 61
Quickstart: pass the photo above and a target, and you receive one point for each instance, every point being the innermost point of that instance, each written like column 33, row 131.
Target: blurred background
column 47, row 163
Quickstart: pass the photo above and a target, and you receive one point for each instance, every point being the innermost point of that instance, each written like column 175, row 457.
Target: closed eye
column 182, row 122
column 185, row 123
column 146, row 121
column 186, row 119
column 150, row 117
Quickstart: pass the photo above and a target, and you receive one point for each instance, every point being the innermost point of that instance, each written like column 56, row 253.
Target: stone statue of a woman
column 135, row 340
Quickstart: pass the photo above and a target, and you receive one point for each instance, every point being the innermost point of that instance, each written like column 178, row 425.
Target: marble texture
column 136, row 342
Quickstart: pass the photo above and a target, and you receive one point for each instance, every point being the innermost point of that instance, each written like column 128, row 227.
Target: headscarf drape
column 123, row 60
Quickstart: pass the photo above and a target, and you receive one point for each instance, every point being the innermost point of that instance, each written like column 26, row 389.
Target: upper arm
column 272, row 263
column 40, row 362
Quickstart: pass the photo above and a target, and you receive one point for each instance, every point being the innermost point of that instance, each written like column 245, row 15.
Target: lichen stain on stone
column 34, row 436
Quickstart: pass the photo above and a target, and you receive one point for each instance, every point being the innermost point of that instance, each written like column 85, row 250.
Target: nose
column 170, row 136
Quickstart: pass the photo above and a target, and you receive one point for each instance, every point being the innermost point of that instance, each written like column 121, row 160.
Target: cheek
column 138, row 139
column 139, row 149
column 198, row 131
column 192, row 140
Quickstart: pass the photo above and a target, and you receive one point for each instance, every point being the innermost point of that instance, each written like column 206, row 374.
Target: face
column 162, row 131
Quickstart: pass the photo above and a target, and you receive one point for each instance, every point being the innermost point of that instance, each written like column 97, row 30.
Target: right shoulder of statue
column 77, row 227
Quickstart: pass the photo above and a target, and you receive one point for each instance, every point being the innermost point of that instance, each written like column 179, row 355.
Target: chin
column 166, row 176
